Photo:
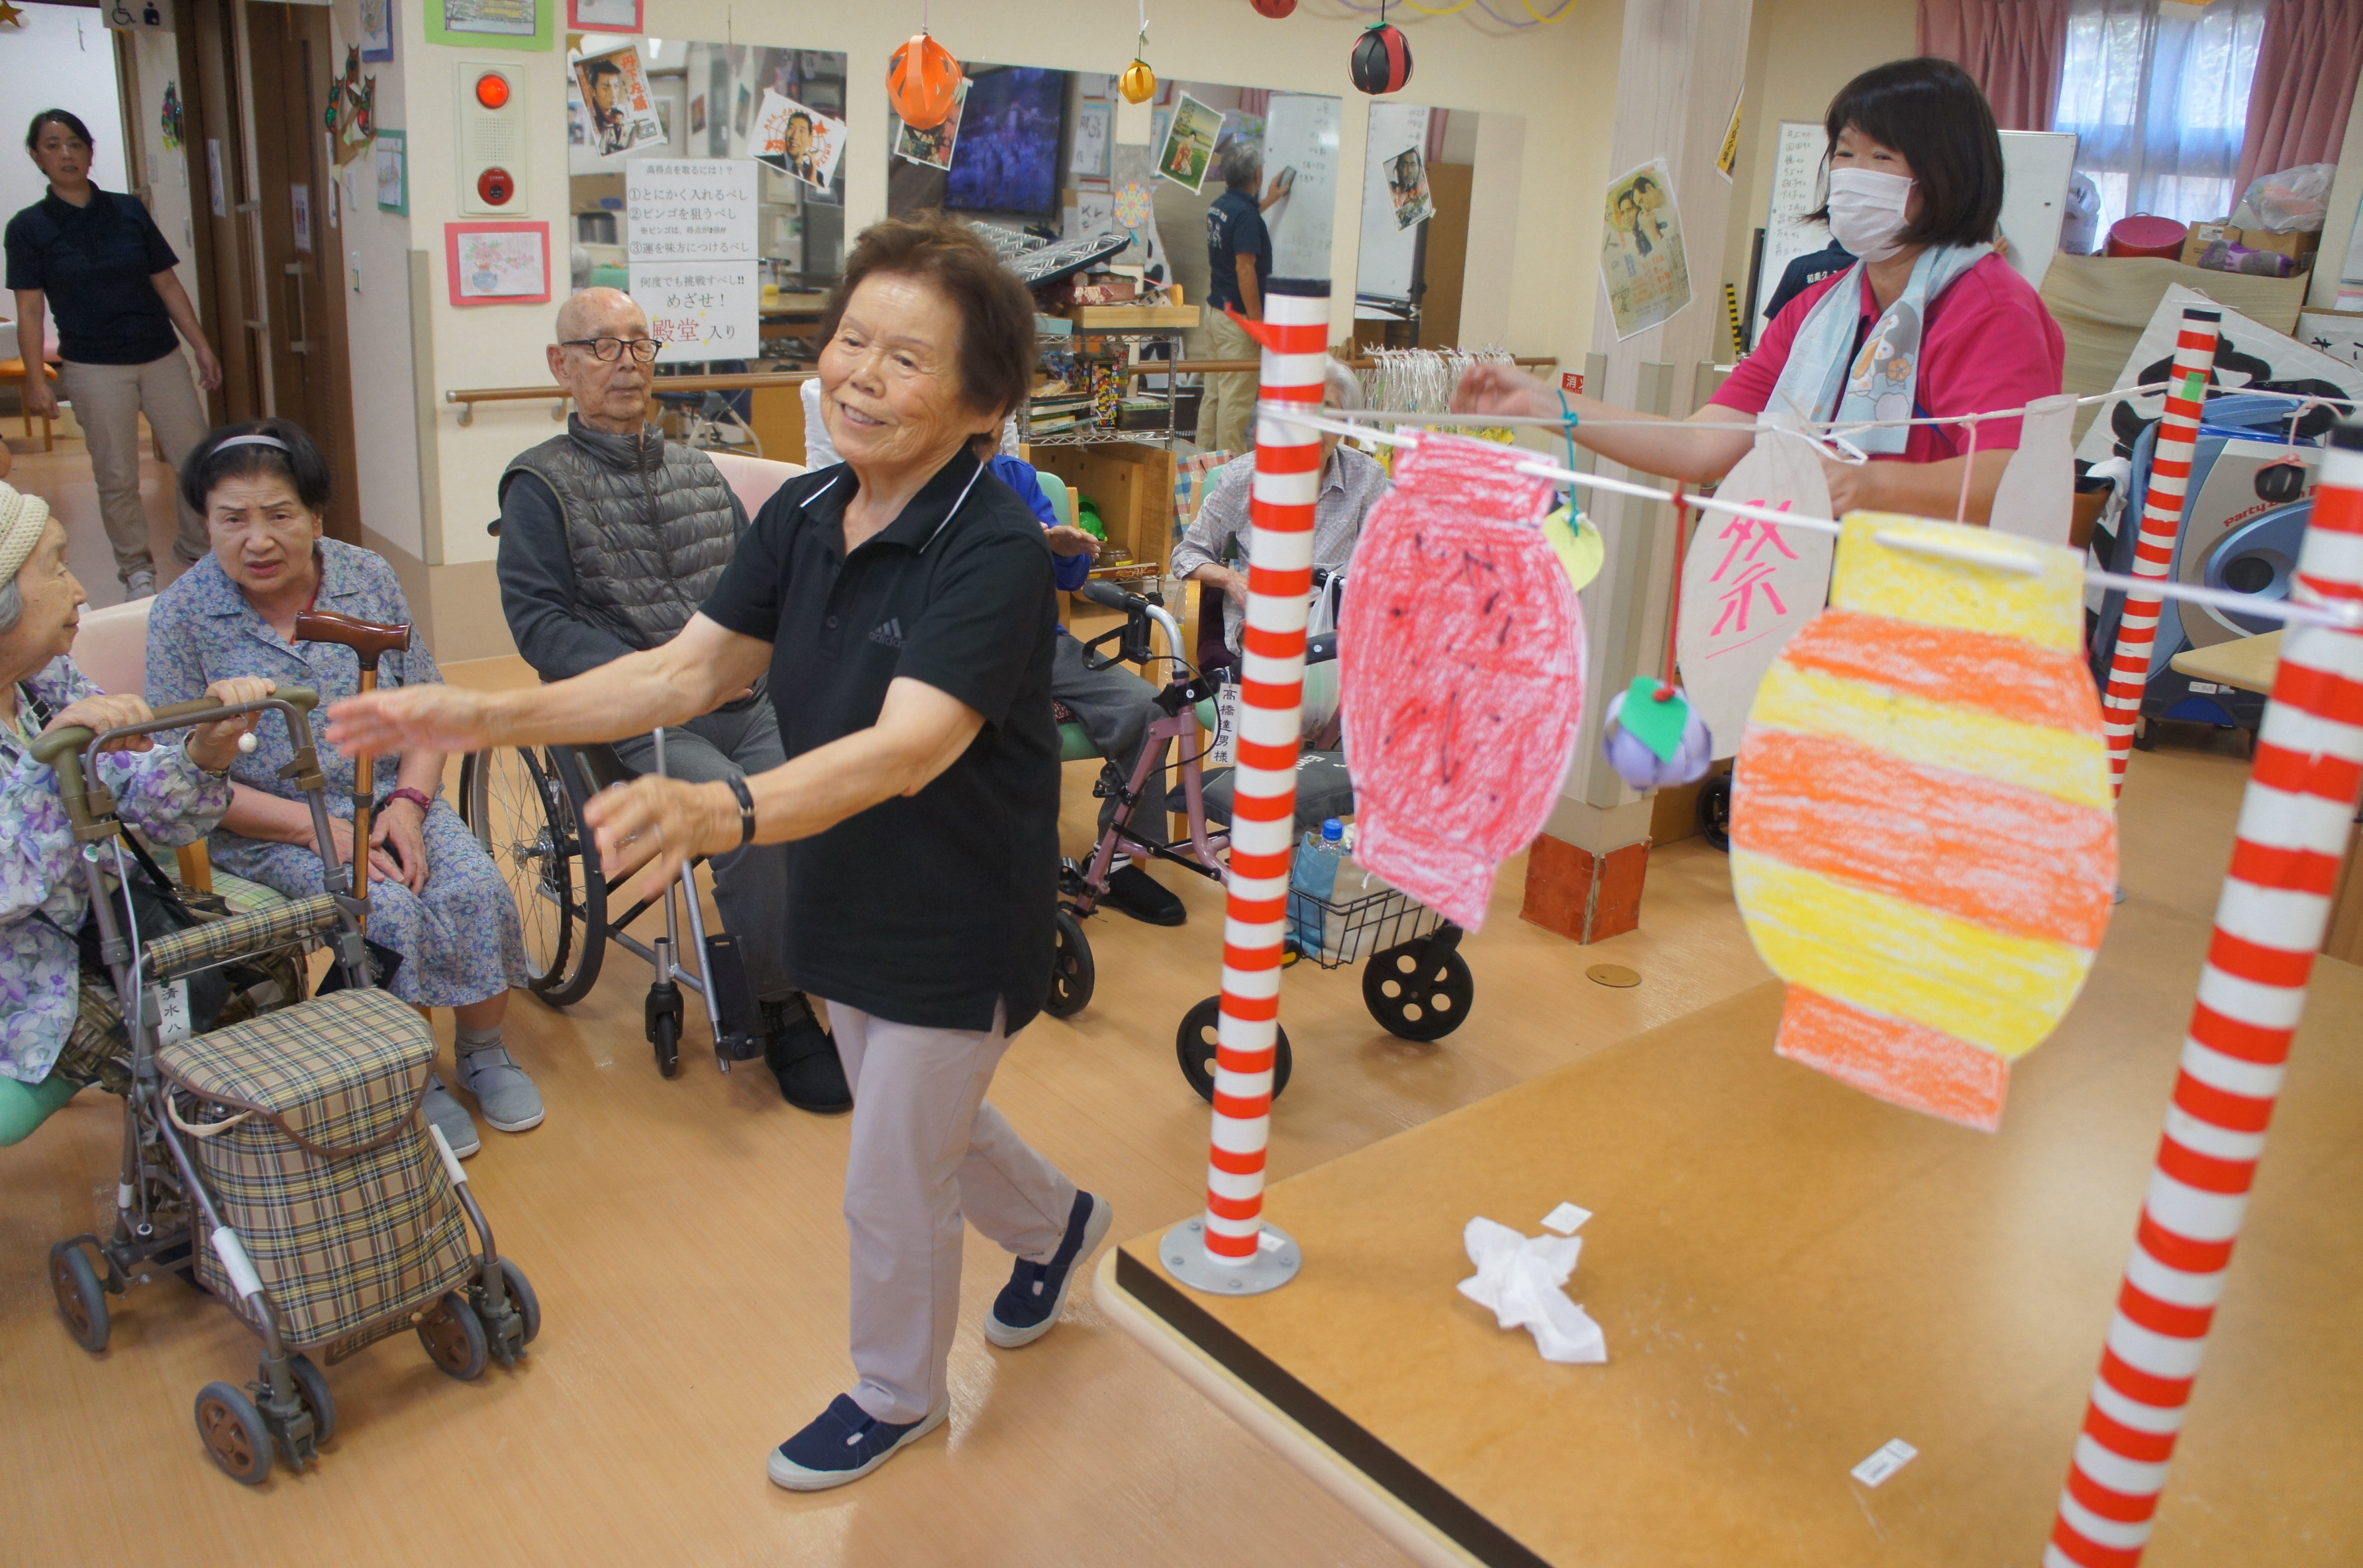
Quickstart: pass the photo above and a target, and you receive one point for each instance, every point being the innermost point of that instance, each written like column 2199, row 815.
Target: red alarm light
column 496, row 186
column 493, row 90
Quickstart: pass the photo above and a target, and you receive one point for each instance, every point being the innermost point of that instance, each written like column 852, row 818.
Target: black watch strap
column 746, row 811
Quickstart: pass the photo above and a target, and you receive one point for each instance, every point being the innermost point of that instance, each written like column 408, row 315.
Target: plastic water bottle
column 1315, row 875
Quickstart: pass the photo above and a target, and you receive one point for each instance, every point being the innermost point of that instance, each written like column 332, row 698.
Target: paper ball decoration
column 1381, row 60
column 1640, row 767
column 1275, row 9
column 923, row 82
column 1138, row 83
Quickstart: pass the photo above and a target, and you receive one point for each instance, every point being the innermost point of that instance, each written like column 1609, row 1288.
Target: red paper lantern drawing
column 1382, row 61
column 923, row 82
column 1275, row 9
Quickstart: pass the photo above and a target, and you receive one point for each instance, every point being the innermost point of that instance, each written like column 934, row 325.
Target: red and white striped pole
column 2268, row 924
column 2161, row 521
column 1231, row 1249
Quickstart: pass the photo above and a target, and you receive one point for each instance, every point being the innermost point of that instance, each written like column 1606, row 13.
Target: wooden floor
column 685, row 1241
column 62, row 479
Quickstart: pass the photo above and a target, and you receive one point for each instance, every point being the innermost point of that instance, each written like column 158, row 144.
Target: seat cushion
column 1323, row 790
column 338, row 1074
column 1074, row 745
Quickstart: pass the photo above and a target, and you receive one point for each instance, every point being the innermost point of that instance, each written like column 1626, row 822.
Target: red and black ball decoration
column 1275, row 9
column 1381, row 60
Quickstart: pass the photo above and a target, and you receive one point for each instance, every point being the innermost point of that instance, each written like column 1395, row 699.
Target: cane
column 370, row 640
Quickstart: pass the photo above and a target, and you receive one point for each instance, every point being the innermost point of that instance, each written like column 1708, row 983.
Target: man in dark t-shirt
column 1238, row 257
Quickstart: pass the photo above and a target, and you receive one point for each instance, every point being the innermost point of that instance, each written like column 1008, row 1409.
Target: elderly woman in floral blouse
column 171, row 794
column 435, row 896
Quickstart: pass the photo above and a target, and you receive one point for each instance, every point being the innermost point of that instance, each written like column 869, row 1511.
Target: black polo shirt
column 927, row 909
column 96, row 264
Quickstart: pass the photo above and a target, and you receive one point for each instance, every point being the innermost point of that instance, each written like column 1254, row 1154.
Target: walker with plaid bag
column 282, row 1159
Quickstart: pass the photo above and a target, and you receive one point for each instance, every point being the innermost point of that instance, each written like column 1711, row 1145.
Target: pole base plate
column 1182, row 1251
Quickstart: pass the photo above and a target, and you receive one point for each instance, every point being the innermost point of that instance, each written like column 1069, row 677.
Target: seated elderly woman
column 435, row 896
column 1215, row 550
column 48, row 1050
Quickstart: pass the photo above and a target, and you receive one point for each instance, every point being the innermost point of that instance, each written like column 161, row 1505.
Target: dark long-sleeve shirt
column 538, row 585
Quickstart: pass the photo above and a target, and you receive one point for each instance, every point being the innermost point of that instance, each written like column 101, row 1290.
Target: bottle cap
column 1332, row 830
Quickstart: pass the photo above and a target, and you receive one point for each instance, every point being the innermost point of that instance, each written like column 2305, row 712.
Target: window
column 2157, row 92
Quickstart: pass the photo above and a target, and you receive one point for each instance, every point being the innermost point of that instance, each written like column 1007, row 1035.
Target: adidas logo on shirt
column 888, row 632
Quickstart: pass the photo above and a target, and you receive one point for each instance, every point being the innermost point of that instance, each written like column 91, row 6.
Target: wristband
column 746, row 811
column 413, row 796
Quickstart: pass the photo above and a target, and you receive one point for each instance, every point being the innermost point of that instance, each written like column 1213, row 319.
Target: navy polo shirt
column 1234, row 228
column 927, row 909
column 96, row 264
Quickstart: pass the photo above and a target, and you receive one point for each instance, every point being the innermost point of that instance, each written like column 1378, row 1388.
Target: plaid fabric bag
column 307, row 1131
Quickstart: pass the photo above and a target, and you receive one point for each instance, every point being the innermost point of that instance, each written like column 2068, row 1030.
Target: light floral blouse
column 168, row 797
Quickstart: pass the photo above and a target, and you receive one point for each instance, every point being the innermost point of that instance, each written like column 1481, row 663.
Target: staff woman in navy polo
column 902, row 601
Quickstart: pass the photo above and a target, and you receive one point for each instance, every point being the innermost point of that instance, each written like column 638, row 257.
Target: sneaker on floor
column 458, row 1127
column 1028, row 1305
column 503, row 1092
column 844, row 1443
column 140, row 585
column 802, row 1056
column 1142, row 896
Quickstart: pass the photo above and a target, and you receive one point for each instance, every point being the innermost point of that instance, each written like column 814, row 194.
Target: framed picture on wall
column 377, row 31
column 391, row 155
column 604, row 16
column 497, row 263
column 492, row 24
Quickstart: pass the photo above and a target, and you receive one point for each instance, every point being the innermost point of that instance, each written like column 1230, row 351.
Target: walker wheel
column 232, row 1429
column 82, row 1301
column 1194, row 1044
column 1416, row 1001
column 312, row 1388
column 521, row 1297
column 1714, row 811
column 1073, row 975
column 454, row 1336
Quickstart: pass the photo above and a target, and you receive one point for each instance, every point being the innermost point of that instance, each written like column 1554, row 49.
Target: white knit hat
column 22, row 518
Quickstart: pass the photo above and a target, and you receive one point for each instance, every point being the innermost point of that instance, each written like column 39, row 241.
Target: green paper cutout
column 1659, row 724
column 2194, row 386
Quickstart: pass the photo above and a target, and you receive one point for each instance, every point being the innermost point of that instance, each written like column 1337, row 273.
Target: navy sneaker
column 844, row 1443
column 1028, row 1305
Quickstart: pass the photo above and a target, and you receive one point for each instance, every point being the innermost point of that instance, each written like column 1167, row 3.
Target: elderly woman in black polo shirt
column 902, row 602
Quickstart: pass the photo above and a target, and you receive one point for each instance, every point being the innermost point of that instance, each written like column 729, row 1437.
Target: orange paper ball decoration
column 1138, row 83
column 1275, row 9
column 923, row 82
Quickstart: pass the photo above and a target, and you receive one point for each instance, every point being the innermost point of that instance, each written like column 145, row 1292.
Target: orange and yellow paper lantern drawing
column 923, row 82
column 1921, row 842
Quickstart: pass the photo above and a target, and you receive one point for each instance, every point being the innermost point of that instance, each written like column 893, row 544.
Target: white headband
column 253, row 441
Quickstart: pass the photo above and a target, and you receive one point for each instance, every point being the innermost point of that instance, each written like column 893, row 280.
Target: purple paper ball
column 1642, row 768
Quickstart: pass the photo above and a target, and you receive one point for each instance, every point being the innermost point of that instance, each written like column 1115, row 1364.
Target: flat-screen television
column 1006, row 159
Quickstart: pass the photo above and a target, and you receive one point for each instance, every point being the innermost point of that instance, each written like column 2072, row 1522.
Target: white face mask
column 1867, row 211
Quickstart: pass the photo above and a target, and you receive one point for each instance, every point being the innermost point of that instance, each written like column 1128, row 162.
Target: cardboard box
column 2299, row 247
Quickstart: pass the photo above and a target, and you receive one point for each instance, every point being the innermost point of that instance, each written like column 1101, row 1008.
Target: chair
column 13, row 370
column 752, row 480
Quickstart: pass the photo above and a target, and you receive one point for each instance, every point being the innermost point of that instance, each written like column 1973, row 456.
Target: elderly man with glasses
column 610, row 538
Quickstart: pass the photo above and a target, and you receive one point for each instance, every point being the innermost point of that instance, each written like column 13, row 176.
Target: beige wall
column 1800, row 53
column 2345, row 195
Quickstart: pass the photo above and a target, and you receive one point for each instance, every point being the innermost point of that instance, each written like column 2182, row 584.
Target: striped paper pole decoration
column 2161, row 521
column 1287, row 457
column 2268, row 924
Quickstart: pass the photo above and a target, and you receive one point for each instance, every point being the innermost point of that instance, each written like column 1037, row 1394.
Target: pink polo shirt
column 1989, row 343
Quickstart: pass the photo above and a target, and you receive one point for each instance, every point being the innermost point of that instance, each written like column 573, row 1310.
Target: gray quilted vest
column 648, row 523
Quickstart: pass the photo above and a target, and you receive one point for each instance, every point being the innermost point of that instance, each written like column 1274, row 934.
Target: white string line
column 1999, row 558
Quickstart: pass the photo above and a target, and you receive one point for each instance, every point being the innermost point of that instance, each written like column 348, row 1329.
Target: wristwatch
column 413, row 796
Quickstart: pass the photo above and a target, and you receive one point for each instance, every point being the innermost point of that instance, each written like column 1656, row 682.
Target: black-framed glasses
column 610, row 349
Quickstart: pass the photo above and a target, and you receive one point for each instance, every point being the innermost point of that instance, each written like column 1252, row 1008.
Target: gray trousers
column 107, row 402
column 1115, row 708
column 749, row 884
column 927, row 1152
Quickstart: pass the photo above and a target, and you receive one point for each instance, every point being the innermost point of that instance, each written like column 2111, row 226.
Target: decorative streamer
column 2269, row 921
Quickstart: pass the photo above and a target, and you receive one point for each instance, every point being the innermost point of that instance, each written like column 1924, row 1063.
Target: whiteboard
column 1389, row 252
column 1300, row 133
column 1796, row 190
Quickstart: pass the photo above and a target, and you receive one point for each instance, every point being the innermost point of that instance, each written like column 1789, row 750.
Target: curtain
column 2012, row 48
column 2158, row 94
column 2305, row 76
column 1256, row 101
column 1434, row 151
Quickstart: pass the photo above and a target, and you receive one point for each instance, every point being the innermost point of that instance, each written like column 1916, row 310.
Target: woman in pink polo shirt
column 1929, row 322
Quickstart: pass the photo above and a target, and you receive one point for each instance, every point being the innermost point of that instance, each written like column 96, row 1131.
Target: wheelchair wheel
column 1412, row 1002
column 1072, row 973
column 1194, row 1043
column 523, row 814
column 1714, row 811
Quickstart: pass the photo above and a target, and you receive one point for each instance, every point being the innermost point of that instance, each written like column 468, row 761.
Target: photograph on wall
column 377, row 31
column 1407, row 188
column 1094, row 134
column 1188, row 150
column 933, row 148
column 498, row 18
column 393, row 157
column 1008, row 159
column 497, row 263
column 798, row 140
column 614, row 87
column 1641, row 258
column 697, row 115
column 603, row 16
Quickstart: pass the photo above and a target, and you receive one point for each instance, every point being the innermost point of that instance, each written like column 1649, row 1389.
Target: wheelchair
column 525, row 806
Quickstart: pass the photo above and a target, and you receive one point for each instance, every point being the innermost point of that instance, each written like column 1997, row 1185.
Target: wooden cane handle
column 370, row 639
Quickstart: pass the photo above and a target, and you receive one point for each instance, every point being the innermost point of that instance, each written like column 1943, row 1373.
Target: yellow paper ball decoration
column 1139, row 83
